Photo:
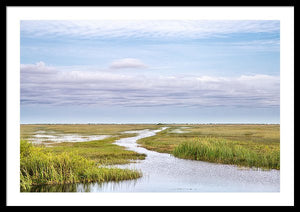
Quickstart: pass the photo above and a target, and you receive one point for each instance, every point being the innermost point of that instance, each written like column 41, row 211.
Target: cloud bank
column 45, row 85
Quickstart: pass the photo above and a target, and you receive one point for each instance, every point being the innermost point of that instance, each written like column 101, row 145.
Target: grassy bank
column 74, row 162
column 102, row 152
column 244, row 145
column 229, row 152
column 40, row 166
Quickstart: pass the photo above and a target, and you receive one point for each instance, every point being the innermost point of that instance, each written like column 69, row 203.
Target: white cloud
column 41, row 84
column 127, row 63
column 145, row 28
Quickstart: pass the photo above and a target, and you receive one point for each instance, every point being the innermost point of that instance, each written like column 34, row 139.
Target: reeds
column 229, row 152
column 39, row 166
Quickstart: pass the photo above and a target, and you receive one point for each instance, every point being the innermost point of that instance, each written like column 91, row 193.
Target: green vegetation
column 40, row 166
column 244, row 145
column 103, row 152
column 74, row 162
column 229, row 152
column 27, row 130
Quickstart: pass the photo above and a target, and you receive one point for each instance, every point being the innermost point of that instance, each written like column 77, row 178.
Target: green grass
column 240, row 144
column 40, row 166
column 27, row 130
column 229, row 152
column 73, row 162
column 102, row 152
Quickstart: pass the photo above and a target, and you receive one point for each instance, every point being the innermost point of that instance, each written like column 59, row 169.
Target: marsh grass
column 83, row 162
column 27, row 130
column 76, row 162
column 39, row 166
column 229, row 152
column 245, row 145
column 102, row 152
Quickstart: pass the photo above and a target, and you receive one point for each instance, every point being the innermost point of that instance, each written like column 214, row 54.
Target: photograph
column 174, row 105
column 150, row 101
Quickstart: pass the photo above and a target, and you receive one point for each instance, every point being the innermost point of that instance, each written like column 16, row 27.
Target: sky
column 150, row 71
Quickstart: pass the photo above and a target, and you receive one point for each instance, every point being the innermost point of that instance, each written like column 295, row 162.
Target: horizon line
column 157, row 123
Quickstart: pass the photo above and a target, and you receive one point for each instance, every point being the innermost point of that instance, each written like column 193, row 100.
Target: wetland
column 150, row 158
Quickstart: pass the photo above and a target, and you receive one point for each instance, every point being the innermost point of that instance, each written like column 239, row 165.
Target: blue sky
column 173, row 71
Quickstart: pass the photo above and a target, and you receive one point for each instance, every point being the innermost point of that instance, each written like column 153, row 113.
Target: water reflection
column 86, row 187
column 55, row 188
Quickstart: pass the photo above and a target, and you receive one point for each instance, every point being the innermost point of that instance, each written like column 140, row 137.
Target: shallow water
column 48, row 137
column 165, row 173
